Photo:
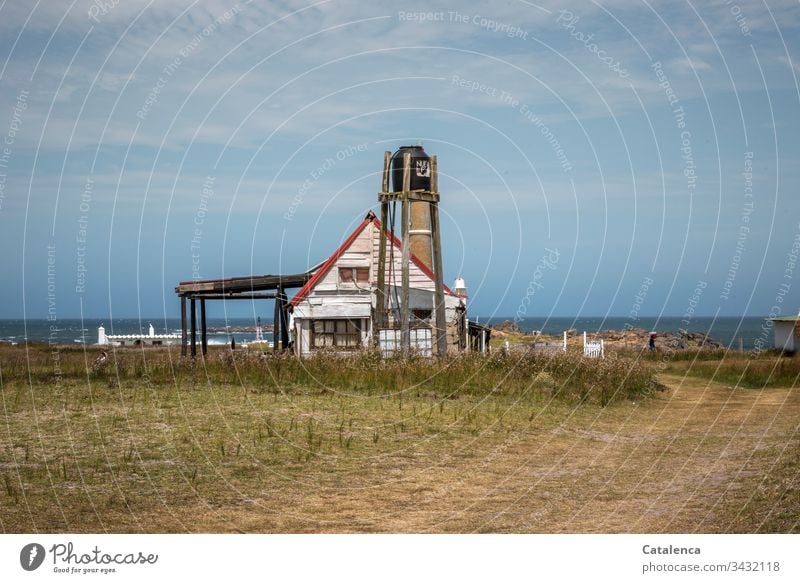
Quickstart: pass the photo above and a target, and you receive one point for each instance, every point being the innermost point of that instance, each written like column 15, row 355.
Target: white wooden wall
column 332, row 299
column 784, row 336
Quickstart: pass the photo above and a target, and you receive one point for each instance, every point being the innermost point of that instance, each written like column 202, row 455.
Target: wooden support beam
column 203, row 335
column 387, row 161
column 405, row 314
column 406, row 173
column 276, row 324
column 193, row 319
column 438, row 298
column 379, row 319
column 415, row 195
column 215, row 296
column 380, row 298
column 183, row 325
column 253, row 283
column 284, row 321
column 435, row 177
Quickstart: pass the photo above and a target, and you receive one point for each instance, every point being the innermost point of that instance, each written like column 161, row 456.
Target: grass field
column 154, row 443
column 760, row 371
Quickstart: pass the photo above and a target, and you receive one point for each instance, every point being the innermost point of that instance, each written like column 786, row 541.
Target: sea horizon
column 727, row 330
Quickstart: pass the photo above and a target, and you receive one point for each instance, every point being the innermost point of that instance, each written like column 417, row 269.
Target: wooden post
column 379, row 321
column 183, row 325
column 284, row 319
column 276, row 322
column 380, row 297
column 434, row 175
column 405, row 320
column 193, row 317
column 203, row 336
column 441, row 320
column 387, row 159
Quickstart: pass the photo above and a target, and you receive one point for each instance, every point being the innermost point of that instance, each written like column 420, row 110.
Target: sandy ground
column 692, row 461
column 698, row 457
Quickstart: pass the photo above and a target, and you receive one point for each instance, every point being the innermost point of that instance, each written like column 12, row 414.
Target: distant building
column 335, row 309
column 786, row 330
column 151, row 338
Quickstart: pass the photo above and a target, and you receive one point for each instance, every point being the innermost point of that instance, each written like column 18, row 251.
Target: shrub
column 569, row 376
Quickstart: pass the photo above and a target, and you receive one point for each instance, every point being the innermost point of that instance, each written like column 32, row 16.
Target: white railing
column 421, row 341
column 593, row 348
column 551, row 346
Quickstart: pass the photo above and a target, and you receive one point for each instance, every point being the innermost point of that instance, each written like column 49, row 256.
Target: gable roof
column 331, row 261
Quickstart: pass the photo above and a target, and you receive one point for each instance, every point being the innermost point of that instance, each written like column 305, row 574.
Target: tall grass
column 747, row 370
column 158, row 443
column 569, row 376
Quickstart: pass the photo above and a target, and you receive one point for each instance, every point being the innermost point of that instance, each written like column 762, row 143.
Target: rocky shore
column 629, row 339
column 638, row 337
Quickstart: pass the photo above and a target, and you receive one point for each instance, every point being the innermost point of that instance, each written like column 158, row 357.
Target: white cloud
column 690, row 64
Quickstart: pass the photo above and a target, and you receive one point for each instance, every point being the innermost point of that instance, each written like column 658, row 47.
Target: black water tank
column 420, row 178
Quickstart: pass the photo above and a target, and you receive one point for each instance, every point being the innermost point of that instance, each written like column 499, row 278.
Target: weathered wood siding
column 331, row 298
column 359, row 254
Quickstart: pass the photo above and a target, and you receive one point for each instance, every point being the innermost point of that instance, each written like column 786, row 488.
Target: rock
column 667, row 340
column 507, row 326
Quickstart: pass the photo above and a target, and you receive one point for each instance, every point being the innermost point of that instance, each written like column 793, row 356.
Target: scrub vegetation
column 519, row 442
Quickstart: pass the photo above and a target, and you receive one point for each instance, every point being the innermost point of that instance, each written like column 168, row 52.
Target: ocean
column 727, row 331
column 70, row 331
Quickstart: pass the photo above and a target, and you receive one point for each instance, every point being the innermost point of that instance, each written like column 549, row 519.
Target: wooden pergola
column 236, row 288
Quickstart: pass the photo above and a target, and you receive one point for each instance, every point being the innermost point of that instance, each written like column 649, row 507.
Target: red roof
column 320, row 273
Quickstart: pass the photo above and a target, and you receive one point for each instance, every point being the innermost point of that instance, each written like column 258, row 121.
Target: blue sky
column 651, row 145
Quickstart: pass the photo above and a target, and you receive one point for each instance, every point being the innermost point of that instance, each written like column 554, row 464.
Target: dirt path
column 701, row 457
column 698, row 457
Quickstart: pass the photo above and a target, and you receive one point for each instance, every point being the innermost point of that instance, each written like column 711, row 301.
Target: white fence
column 551, row 346
column 390, row 341
column 594, row 348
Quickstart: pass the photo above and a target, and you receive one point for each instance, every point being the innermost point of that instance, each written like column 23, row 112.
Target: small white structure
column 593, row 348
column 460, row 287
column 259, row 333
column 421, row 340
column 151, row 338
column 786, row 333
column 550, row 346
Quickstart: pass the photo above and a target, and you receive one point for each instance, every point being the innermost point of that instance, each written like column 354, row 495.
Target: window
column 354, row 274
column 421, row 316
column 336, row 334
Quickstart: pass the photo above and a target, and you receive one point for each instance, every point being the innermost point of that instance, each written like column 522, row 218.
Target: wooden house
column 335, row 309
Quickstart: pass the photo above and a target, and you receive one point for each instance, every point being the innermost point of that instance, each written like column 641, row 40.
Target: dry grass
column 749, row 369
column 240, row 446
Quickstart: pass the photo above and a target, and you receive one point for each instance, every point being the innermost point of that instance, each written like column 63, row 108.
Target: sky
column 616, row 158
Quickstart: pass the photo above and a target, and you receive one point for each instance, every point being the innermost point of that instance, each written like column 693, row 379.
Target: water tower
column 414, row 184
